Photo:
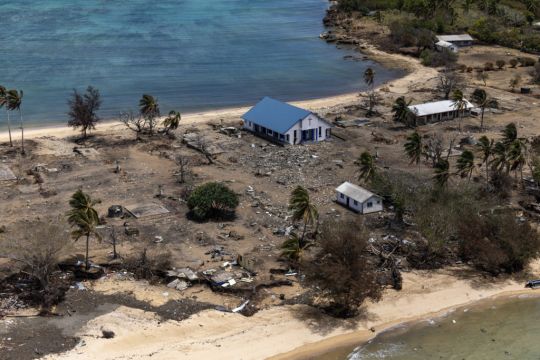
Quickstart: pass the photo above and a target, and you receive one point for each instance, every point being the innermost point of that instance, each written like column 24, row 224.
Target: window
column 288, row 137
column 369, row 204
column 378, row 201
column 355, row 202
column 342, row 196
column 320, row 131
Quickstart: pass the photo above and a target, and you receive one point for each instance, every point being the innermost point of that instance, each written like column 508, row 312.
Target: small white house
column 457, row 40
column 439, row 111
column 441, row 45
column 358, row 199
column 285, row 123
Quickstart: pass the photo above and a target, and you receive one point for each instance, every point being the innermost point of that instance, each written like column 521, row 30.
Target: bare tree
column 133, row 122
column 37, row 246
column 433, row 148
column 448, row 81
column 183, row 168
column 202, row 145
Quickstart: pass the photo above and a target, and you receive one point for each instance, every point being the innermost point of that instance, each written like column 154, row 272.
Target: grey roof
column 355, row 192
column 275, row 115
column 450, row 38
column 436, row 107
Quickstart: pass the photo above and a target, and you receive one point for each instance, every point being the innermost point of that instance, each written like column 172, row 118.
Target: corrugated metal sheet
column 355, row 192
column 436, row 107
column 275, row 115
column 450, row 38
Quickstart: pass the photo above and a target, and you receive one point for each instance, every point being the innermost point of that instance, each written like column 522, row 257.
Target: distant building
column 438, row 111
column 284, row 123
column 441, row 45
column 457, row 40
column 358, row 199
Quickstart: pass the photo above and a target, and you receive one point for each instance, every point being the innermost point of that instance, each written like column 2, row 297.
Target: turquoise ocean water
column 506, row 329
column 191, row 54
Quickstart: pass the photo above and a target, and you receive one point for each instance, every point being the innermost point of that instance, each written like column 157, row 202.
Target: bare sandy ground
column 417, row 74
column 279, row 332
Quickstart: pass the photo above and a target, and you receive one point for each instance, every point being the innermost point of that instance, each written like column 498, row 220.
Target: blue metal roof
column 275, row 115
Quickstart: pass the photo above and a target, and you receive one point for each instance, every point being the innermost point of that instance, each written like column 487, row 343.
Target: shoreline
column 281, row 332
column 362, row 337
column 414, row 72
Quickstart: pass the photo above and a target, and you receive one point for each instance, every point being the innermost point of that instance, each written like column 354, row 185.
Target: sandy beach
column 288, row 332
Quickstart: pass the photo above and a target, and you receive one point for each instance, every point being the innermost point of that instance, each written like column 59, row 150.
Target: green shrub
column 212, row 201
column 438, row 58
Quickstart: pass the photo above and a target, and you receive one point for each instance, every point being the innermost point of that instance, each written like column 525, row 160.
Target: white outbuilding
column 358, row 199
column 458, row 39
column 441, row 45
column 439, row 111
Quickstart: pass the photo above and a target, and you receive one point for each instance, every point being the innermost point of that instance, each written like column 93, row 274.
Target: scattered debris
column 146, row 210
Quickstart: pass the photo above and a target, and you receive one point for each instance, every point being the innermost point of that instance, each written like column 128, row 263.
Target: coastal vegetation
column 83, row 110
column 412, row 22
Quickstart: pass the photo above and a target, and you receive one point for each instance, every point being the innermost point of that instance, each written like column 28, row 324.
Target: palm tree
column 509, row 134
column 442, row 173
column 294, row 247
column 369, row 77
column 402, row 112
column 481, row 98
column 459, row 104
column 84, row 218
column 465, row 164
column 500, row 157
column 149, row 108
column 14, row 102
column 486, row 146
column 517, row 156
column 303, row 209
column 368, row 168
column 3, row 103
column 172, row 121
column 414, row 147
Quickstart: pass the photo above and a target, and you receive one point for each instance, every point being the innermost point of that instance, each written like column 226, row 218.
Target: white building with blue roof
column 285, row 123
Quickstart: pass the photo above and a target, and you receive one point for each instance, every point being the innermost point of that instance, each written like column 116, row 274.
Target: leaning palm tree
column 402, row 112
column 501, row 157
column 517, row 156
column 149, row 108
column 481, row 98
column 172, row 121
column 303, row 209
column 509, row 134
column 442, row 173
column 293, row 248
column 3, row 103
column 414, row 148
column 460, row 104
column 14, row 102
column 486, row 146
column 367, row 165
column 465, row 164
column 84, row 218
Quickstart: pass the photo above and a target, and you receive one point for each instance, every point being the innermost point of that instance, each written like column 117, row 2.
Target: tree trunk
column 9, row 129
column 87, row 246
column 482, row 119
column 22, row 132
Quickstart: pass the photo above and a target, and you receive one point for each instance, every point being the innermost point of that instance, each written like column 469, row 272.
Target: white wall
column 376, row 205
column 312, row 121
column 362, row 208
